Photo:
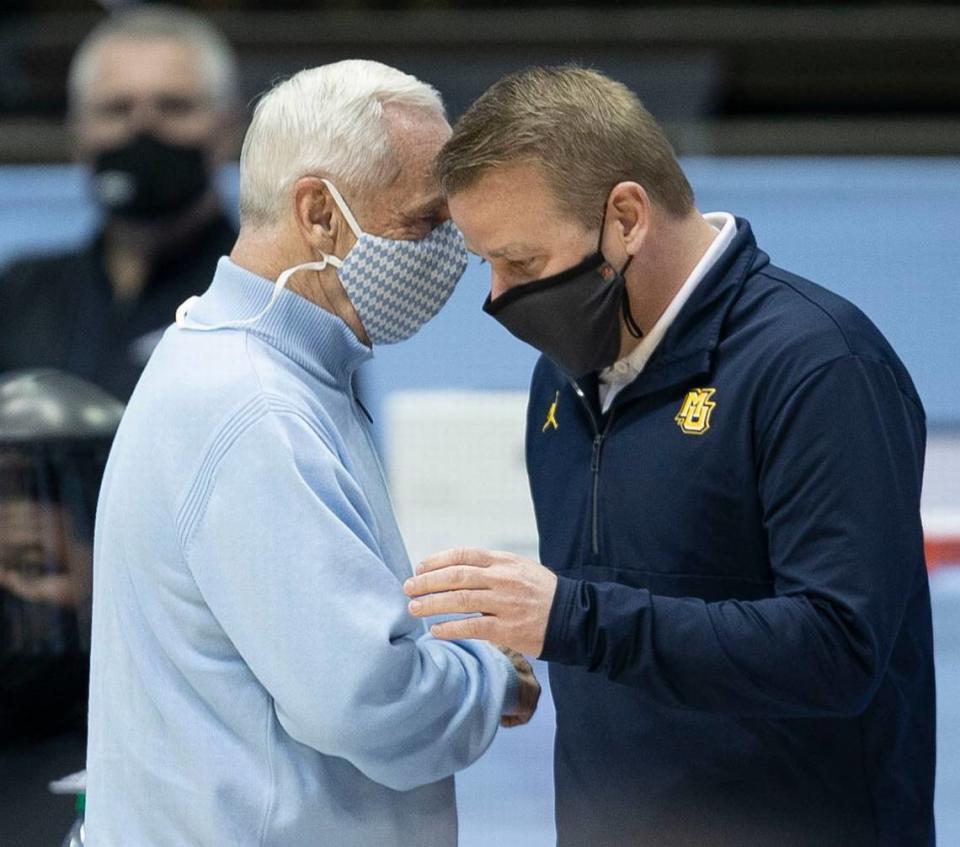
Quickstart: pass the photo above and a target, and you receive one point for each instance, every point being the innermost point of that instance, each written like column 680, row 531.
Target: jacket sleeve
column 839, row 471
column 285, row 553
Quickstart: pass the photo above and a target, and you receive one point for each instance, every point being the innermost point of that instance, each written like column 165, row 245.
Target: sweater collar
column 309, row 335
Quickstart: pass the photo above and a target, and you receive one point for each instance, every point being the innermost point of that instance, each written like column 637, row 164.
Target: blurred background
column 834, row 128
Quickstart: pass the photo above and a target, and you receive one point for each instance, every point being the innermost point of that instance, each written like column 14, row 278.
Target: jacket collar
column 317, row 340
column 687, row 349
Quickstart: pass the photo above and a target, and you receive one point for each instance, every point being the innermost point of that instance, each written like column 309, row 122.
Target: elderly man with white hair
column 256, row 678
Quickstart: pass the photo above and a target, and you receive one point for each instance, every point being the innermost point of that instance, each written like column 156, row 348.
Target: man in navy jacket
column 725, row 461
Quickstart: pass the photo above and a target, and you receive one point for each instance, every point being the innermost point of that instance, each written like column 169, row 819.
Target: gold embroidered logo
column 552, row 415
column 694, row 415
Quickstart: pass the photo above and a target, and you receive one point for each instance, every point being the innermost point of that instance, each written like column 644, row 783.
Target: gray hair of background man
column 325, row 122
column 218, row 62
column 586, row 131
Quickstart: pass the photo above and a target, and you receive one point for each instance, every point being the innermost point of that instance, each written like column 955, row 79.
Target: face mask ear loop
column 344, row 208
column 281, row 283
column 632, row 327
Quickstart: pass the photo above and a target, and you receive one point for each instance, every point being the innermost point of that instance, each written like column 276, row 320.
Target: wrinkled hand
column 513, row 595
column 529, row 694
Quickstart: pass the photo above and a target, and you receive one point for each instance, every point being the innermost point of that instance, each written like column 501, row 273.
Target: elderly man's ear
column 319, row 220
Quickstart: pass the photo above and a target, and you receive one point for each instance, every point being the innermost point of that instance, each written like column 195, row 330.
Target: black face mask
column 572, row 317
column 147, row 178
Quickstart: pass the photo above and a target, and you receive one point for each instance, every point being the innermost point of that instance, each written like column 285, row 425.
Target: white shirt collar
column 621, row 373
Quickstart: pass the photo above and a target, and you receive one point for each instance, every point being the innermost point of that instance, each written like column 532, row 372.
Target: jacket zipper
column 595, row 468
column 598, row 437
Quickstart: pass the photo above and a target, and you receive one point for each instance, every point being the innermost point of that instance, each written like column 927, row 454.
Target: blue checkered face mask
column 397, row 286
column 394, row 286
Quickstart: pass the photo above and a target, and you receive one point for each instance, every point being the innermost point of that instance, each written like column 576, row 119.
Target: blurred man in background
column 255, row 675
column 153, row 110
column 725, row 461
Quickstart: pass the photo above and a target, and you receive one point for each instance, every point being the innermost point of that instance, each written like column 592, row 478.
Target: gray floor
column 507, row 797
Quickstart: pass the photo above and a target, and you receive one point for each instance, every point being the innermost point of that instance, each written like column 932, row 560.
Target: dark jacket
column 59, row 310
column 740, row 644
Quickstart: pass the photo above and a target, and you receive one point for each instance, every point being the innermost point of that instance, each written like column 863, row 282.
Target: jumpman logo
column 552, row 415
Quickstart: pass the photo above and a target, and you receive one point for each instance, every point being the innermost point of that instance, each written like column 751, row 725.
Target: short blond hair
column 586, row 131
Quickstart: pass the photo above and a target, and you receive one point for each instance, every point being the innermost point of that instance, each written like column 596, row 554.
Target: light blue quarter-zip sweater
column 255, row 676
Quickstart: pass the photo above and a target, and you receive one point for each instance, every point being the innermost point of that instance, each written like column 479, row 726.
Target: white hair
column 325, row 122
column 218, row 62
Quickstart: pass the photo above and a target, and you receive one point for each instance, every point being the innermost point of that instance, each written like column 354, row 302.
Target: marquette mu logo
column 551, row 420
column 695, row 410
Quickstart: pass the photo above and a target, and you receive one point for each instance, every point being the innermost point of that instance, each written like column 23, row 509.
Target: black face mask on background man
column 147, row 178
column 572, row 317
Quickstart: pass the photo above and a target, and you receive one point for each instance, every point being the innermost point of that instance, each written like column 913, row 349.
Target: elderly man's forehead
column 407, row 121
column 416, row 136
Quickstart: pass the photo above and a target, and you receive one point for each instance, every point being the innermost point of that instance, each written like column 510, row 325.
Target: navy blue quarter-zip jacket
column 740, row 643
